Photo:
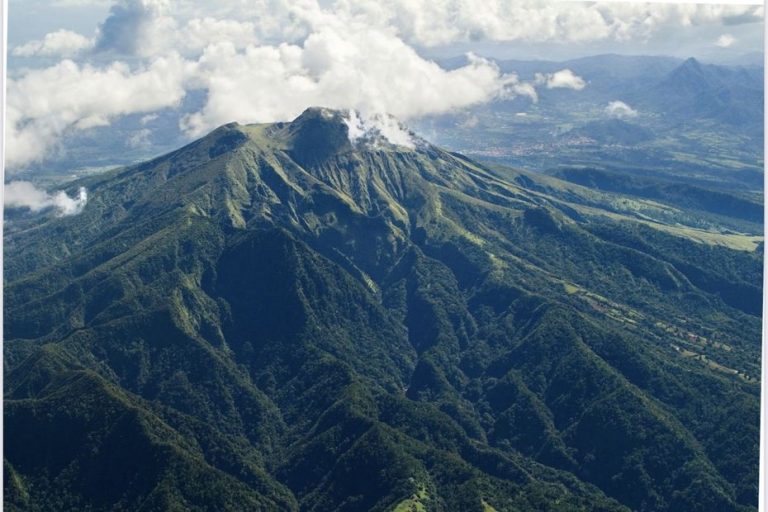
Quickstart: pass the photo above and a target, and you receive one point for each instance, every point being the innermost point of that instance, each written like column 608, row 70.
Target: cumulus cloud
column 274, row 21
column 133, row 24
column 135, row 27
column 725, row 41
column 200, row 32
column 620, row 110
column 62, row 43
column 438, row 22
column 45, row 103
column 142, row 28
column 347, row 67
column 339, row 65
column 23, row 194
column 151, row 27
column 563, row 79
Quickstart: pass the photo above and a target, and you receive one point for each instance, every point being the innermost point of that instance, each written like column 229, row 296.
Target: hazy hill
column 695, row 91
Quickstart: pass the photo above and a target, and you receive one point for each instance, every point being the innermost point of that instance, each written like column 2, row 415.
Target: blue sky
column 32, row 19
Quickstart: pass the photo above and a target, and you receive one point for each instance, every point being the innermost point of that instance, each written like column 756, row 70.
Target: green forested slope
column 274, row 318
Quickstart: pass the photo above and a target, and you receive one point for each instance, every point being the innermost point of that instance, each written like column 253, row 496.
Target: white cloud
column 340, row 65
column 45, row 103
column 620, row 110
column 438, row 22
column 62, row 43
column 138, row 26
column 150, row 27
column 198, row 33
column 148, row 118
column 81, row 3
column 725, row 41
column 563, row 79
column 371, row 128
column 347, row 67
column 23, row 194
column 141, row 25
column 143, row 28
column 135, row 27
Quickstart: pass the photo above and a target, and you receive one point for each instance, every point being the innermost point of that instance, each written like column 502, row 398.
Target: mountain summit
column 334, row 315
column 319, row 133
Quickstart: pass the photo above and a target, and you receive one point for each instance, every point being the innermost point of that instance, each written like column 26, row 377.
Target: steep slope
column 288, row 318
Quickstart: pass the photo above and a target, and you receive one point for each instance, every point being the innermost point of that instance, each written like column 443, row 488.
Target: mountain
column 288, row 317
column 733, row 96
column 608, row 77
column 607, row 73
column 667, row 86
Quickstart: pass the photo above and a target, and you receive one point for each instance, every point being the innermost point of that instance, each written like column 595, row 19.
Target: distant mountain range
column 691, row 88
column 281, row 317
column 693, row 92
column 683, row 118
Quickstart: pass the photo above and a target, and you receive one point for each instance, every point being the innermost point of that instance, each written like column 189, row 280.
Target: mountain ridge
column 349, row 327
